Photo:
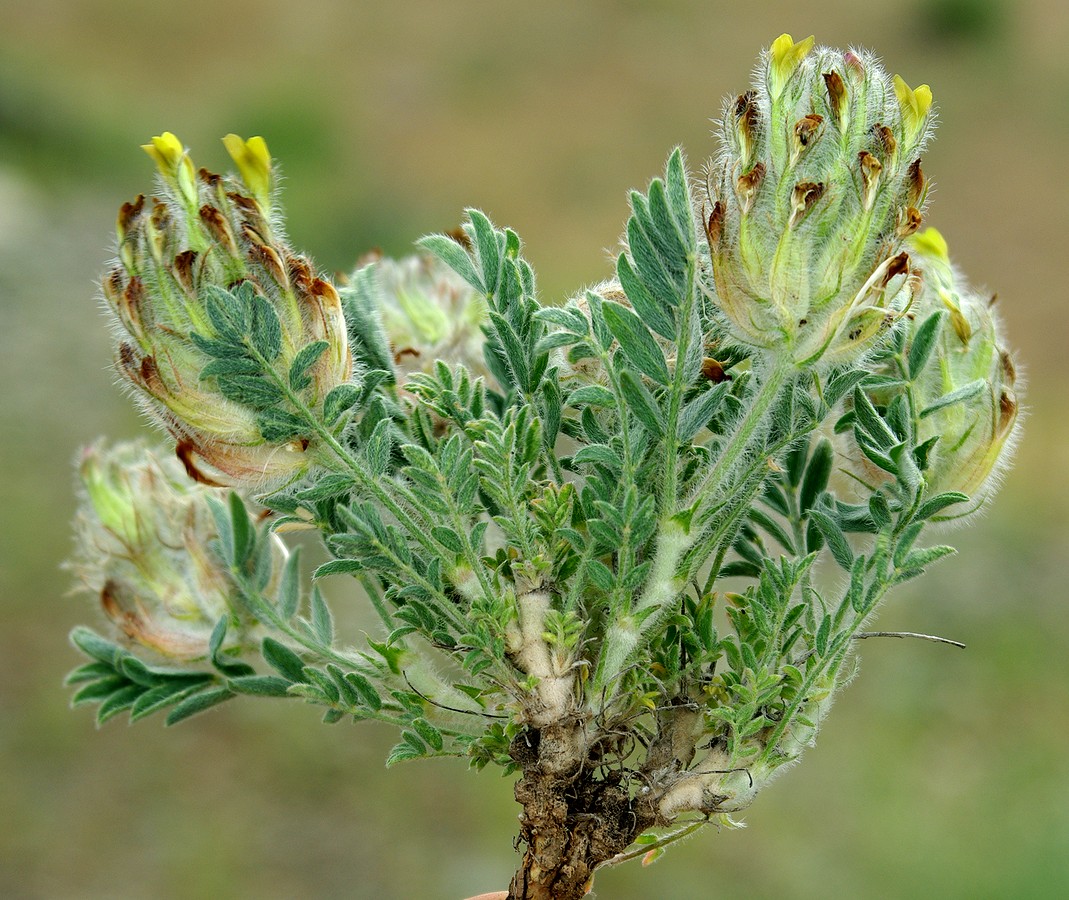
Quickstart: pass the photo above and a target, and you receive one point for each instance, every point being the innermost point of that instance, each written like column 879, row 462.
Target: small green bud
column 143, row 533
column 810, row 203
column 224, row 332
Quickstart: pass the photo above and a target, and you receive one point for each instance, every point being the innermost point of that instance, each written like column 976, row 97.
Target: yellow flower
column 175, row 166
column 785, row 57
column 254, row 163
column 931, row 243
column 915, row 104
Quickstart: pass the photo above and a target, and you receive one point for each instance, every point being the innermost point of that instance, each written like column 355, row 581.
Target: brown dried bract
column 185, row 449
column 909, row 220
column 183, row 270
column 129, row 213
column 885, row 141
column 806, row 194
column 746, row 185
column 218, row 228
column 899, row 265
column 714, row 225
column 833, row 81
column 713, row 370
column 916, row 184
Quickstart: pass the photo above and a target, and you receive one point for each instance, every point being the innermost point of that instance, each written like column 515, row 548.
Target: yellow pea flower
column 785, row 56
column 175, row 166
column 254, row 163
column 931, row 243
column 915, row 104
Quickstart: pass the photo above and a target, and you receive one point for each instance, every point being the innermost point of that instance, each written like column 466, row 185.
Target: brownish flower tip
column 127, row 301
column 113, row 286
column 133, row 294
column 185, row 450
column 897, row 266
column 210, row 179
column 744, row 103
column 300, row 272
column 250, row 211
column 161, row 216
column 129, row 361
column 459, row 235
column 885, row 140
column 129, row 213
column 807, row 129
column 855, row 68
column 218, row 228
column 1007, row 412
column 150, row 376
column 833, row 81
column 909, row 220
column 870, row 177
column 399, row 355
column 806, row 194
column 183, row 270
column 245, row 204
column 714, row 370
column 916, row 184
column 1009, row 370
column 326, row 294
column 714, row 226
column 746, row 122
column 747, row 186
column 126, row 620
column 267, row 257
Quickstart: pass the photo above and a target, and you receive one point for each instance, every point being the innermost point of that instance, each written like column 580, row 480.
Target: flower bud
column 142, row 545
column 811, row 201
column 226, row 337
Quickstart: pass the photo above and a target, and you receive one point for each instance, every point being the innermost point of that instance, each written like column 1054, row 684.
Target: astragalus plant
column 592, row 530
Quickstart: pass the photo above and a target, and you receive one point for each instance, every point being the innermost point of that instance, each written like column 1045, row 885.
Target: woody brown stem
column 571, row 821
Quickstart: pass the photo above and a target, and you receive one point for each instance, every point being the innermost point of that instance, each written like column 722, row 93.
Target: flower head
column 143, row 536
column 974, row 437
column 965, row 408
column 226, row 336
column 818, row 185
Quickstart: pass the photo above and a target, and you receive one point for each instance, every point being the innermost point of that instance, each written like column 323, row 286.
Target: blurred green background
column 940, row 774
